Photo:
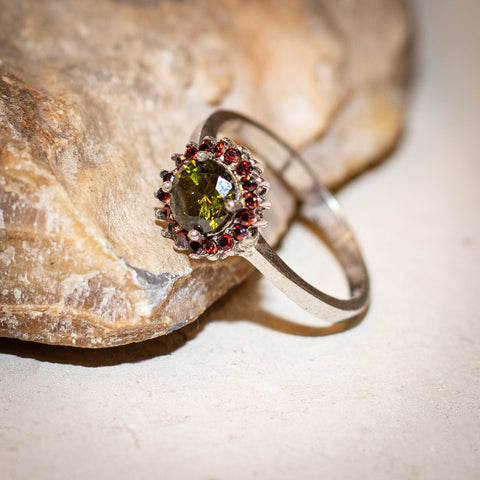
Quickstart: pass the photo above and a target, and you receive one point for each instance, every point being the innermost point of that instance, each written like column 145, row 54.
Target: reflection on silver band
column 317, row 206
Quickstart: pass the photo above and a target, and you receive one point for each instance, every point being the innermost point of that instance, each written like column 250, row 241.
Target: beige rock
column 96, row 95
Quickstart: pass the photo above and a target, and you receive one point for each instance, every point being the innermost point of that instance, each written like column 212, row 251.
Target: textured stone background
column 96, row 95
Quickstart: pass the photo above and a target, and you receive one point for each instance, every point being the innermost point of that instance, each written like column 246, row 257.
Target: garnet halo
column 209, row 208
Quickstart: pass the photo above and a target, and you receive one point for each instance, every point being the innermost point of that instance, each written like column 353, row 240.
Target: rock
column 95, row 96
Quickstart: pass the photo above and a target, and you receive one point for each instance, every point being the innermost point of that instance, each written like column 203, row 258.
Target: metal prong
column 261, row 223
column 194, row 235
column 202, row 156
column 233, row 206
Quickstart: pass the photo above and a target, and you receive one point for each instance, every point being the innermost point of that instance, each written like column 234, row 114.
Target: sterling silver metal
column 317, row 205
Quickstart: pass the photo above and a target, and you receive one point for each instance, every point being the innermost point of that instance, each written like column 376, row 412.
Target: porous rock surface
column 96, row 95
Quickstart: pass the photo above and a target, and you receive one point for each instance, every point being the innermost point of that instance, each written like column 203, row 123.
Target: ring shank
column 318, row 206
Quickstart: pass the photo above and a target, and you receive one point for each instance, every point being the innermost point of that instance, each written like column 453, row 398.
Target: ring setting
column 213, row 199
column 214, row 204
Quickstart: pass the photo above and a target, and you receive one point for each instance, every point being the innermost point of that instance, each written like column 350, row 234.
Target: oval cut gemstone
column 198, row 196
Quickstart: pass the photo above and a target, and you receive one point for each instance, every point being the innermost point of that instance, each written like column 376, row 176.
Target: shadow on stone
column 243, row 303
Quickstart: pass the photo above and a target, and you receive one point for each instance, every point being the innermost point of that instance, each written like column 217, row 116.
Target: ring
column 214, row 201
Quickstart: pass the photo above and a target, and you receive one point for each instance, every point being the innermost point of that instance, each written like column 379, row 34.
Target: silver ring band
column 318, row 206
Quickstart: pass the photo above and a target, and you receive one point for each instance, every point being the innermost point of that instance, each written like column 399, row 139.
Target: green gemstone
column 198, row 196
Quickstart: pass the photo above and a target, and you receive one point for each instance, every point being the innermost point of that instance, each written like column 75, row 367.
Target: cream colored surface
column 396, row 397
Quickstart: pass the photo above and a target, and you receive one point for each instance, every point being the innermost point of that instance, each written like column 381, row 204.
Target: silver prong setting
column 203, row 156
column 245, row 209
column 167, row 186
column 194, row 235
column 233, row 206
